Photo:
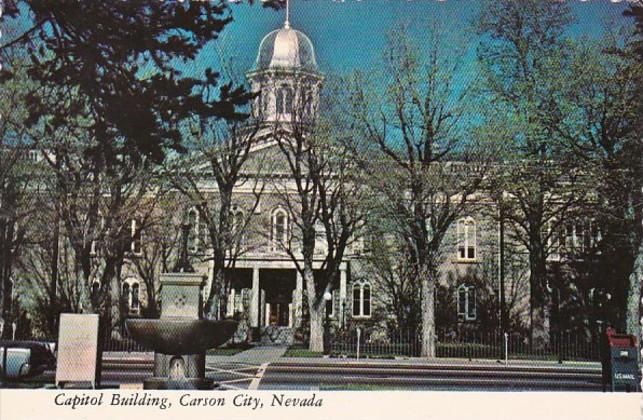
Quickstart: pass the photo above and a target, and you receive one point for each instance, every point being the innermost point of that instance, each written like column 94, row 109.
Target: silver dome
column 286, row 48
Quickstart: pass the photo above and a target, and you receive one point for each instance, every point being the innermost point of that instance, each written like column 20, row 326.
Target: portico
column 272, row 292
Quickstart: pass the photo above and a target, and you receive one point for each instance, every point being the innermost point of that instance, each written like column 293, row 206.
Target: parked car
column 24, row 359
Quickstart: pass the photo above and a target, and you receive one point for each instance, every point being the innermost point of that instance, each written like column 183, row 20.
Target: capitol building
column 264, row 272
column 266, row 286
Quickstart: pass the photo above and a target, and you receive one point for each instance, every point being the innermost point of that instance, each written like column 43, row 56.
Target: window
column 581, row 236
column 362, row 300
column 288, row 101
column 237, row 219
column 99, row 231
column 126, row 293
column 467, row 302
column 238, row 300
column 195, row 239
column 330, row 305
column 284, row 100
column 135, row 237
column 263, row 101
column 466, row 232
column 555, row 238
column 235, row 301
column 130, row 293
column 95, row 289
column 279, row 229
column 135, row 302
column 308, row 103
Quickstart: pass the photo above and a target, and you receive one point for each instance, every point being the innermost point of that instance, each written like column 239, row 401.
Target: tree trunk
column 316, row 328
column 428, row 313
column 6, row 303
column 315, row 309
column 216, row 305
column 633, row 325
column 213, row 304
column 538, row 300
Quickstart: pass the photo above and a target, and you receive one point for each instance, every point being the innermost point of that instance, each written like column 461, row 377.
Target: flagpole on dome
column 287, row 22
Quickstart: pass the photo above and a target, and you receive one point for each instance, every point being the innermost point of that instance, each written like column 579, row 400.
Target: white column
column 254, row 303
column 231, row 303
column 262, row 305
column 298, row 300
column 342, row 296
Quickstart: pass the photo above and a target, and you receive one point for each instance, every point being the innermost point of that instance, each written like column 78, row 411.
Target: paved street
column 266, row 368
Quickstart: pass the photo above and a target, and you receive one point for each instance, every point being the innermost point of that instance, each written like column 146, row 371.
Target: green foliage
column 111, row 70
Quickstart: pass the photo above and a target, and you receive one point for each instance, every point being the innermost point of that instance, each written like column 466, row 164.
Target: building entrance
column 278, row 286
column 279, row 314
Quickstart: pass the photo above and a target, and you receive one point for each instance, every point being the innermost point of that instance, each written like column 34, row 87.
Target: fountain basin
column 180, row 335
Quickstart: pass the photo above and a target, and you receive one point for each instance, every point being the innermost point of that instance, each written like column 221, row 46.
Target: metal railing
column 565, row 345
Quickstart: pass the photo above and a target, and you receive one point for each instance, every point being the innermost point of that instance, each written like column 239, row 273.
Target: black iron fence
column 565, row 345
column 356, row 343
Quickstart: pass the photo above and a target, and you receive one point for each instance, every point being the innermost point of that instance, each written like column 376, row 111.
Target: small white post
column 506, row 349
column 14, row 327
column 359, row 333
column 1, row 327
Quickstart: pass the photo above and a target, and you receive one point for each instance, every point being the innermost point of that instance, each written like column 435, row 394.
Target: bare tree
column 18, row 181
column 411, row 140
column 321, row 193
column 220, row 151
column 536, row 186
column 159, row 249
column 597, row 117
column 388, row 264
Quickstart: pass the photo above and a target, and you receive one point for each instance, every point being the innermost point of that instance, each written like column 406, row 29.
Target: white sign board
column 77, row 348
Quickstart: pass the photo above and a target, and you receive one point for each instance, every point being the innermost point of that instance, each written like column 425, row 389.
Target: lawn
column 299, row 350
column 227, row 351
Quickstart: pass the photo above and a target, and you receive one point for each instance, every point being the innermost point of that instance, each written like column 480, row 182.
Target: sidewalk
column 275, row 354
column 422, row 362
column 255, row 356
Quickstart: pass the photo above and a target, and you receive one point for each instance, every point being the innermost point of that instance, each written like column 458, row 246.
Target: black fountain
column 180, row 337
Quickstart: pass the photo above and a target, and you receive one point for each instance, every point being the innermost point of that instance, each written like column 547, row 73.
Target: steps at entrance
column 272, row 335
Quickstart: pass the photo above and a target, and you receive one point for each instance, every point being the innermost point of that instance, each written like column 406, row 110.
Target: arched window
column 308, row 103
column 467, row 302
column 135, row 298
column 330, row 304
column 237, row 218
column 135, row 237
column 362, row 300
column 581, row 236
column 126, row 293
column 280, row 101
column 288, row 100
column 284, row 100
column 279, row 229
column 130, row 293
column 466, row 232
column 99, row 232
column 263, row 104
column 194, row 237
column 95, row 289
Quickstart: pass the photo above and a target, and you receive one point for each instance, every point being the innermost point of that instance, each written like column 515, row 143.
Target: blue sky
column 351, row 35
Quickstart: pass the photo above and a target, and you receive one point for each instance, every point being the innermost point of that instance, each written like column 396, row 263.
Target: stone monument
column 180, row 337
